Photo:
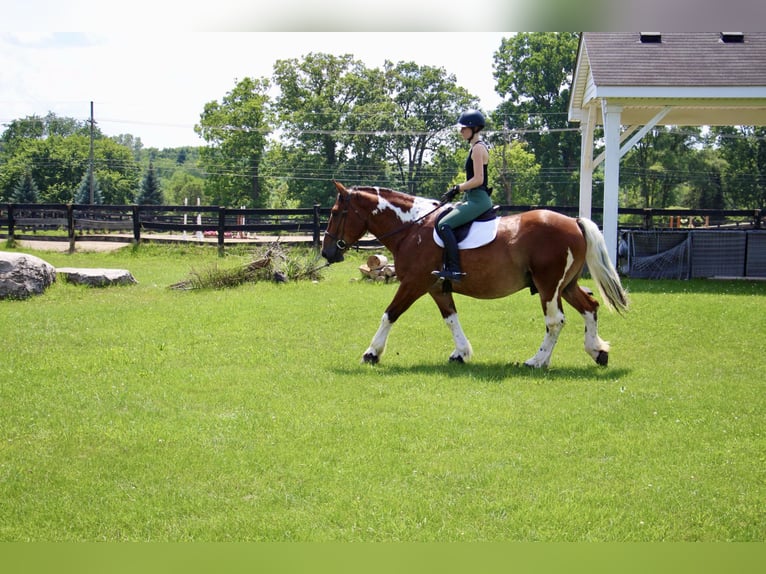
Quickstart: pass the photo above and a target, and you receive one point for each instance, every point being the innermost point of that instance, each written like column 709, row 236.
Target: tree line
column 278, row 141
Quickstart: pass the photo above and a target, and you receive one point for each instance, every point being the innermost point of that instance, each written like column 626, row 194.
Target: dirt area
column 63, row 246
column 102, row 246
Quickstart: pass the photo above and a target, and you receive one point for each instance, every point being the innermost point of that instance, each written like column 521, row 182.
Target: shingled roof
column 701, row 73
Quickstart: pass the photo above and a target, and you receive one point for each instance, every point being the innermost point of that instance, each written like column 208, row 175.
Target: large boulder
column 96, row 277
column 22, row 275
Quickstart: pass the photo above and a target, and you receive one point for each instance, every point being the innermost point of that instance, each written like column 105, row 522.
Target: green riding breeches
column 475, row 202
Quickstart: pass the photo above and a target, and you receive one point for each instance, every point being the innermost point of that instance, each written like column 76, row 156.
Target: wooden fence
column 136, row 223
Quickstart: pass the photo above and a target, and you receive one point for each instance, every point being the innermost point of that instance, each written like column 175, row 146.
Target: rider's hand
column 448, row 196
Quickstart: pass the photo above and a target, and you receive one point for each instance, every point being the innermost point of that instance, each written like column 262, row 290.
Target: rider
column 476, row 196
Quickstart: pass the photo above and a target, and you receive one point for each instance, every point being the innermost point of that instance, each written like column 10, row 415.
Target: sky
column 155, row 86
column 149, row 66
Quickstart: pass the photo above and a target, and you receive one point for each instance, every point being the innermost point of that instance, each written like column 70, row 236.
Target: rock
column 22, row 275
column 96, row 277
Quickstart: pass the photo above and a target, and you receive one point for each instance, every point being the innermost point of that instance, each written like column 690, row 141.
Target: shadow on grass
column 493, row 372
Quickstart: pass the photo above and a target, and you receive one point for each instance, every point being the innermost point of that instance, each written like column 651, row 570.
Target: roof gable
column 679, row 59
column 704, row 79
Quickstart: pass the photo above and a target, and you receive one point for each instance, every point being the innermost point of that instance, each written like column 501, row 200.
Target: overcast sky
column 155, row 86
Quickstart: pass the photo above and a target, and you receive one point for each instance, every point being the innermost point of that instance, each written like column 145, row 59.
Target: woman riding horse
column 475, row 194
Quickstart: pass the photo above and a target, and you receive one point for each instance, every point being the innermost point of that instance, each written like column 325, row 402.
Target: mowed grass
column 147, row 414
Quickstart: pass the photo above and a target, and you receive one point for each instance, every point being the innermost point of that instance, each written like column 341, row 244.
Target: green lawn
column 150, row 414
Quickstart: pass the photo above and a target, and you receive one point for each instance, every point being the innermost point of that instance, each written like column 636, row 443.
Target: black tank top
column 469, row 173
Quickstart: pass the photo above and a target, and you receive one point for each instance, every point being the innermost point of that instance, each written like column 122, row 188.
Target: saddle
column 473, row 234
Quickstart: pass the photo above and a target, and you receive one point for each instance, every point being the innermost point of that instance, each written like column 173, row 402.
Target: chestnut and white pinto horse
column 541, row 250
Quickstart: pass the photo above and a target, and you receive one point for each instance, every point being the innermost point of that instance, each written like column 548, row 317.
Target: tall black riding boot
column 451, row 269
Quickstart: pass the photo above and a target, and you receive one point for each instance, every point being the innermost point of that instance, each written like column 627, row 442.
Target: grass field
column 148, row 414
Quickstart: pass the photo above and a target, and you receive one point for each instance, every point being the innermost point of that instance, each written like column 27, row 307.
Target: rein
column 342, row 245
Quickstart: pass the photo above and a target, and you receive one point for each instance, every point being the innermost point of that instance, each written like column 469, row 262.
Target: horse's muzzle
column 332, row 254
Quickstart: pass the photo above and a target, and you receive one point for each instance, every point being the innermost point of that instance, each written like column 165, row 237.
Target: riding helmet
column 472, row 119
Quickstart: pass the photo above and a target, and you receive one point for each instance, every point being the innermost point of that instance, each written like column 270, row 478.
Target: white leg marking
column 593, row 343
column 463, row 350
column 378, row 345
column 554, row 322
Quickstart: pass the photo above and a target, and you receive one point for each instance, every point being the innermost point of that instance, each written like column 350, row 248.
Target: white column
column 586, row 162
column 612, row 115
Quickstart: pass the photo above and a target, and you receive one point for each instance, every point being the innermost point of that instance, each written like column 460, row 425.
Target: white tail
column 601, row 269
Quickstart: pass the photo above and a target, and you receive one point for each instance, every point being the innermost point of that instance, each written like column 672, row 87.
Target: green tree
column 185, row 187
column 83, row 195
column 313, row 104
column 514, row 174
column 534, row 74
column 57, row 155
column 743, row 148
column 150, row 192
column 26, row 190
column 655, row 172
column 425, row 102
column 236, row 131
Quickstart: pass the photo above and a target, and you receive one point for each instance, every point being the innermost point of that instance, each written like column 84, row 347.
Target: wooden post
column 136, row 225
column 221, row 229
column 70, row 226
column 11, row 239
column 317, row 231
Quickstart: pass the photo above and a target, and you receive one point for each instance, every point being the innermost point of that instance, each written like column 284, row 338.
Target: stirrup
column 448, row 274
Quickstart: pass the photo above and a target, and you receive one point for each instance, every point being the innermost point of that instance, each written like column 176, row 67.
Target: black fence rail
column 136, row 223
column 71, row 222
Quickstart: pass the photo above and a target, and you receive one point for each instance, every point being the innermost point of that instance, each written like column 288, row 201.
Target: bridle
column 341, row 244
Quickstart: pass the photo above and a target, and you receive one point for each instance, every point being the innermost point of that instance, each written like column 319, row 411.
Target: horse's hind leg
column 583, row 301
column 554, row 322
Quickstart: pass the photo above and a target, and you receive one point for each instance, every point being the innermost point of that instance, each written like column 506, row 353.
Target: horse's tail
column 601, row 269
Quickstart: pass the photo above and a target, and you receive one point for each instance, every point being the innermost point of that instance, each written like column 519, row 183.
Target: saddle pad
column 481, row 233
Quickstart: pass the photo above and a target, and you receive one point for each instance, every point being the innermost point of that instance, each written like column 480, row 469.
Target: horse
column 541, row 250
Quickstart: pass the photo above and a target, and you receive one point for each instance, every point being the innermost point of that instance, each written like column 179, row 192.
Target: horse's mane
column 375, row 189
column 388, row 191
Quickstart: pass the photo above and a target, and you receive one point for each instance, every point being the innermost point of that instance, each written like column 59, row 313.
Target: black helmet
column 472, row 119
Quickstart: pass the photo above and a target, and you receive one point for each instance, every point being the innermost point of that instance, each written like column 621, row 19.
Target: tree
column 82, row 196
column 743, row 148
column 56, row 152
column 26, row 190
column 514, row 174
column 236, row 131
column 425, row 101
column 183, row 186
column 655, row 172
column 534, row 74
column 315, row 106
column 150, row 193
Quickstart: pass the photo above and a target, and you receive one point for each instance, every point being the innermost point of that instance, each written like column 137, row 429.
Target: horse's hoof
column 456, row 359
column 371, row 358
column 602, row 358
column 535, row 365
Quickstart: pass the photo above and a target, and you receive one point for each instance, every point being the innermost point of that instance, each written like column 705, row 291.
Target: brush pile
column 275, row 264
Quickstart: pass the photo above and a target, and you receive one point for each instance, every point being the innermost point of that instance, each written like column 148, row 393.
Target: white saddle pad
column 482, row 232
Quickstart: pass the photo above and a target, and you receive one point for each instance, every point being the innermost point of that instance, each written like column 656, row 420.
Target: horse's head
column 347, row 224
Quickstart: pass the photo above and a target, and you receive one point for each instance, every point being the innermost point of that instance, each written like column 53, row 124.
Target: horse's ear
column 341, row 188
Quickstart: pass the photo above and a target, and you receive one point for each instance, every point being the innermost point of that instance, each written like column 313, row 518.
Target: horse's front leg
column 405, row 296
column 463, row 351
column 378, row 346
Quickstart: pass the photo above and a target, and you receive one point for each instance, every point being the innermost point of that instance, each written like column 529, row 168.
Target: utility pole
column 90, row 167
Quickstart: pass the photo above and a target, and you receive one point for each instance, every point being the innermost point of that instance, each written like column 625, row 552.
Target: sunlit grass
column 145, row 413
